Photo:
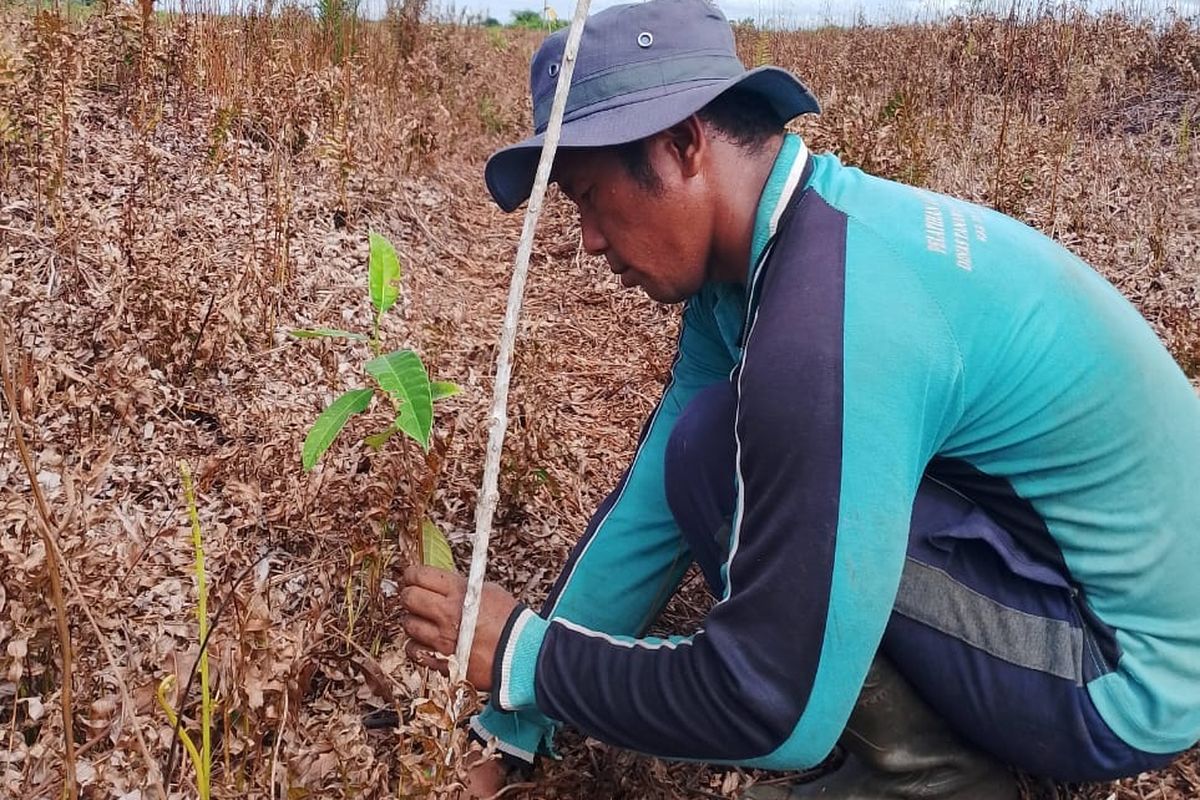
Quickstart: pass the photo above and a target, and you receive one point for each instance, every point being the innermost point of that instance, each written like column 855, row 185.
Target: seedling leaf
column 440, row 390
column 435, row 547
column 330, row 423
column 383, row 274
column 376, row 441
column 402, row 375
column 326, row 333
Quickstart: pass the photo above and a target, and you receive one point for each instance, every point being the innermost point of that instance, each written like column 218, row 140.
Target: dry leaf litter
column 177, row 193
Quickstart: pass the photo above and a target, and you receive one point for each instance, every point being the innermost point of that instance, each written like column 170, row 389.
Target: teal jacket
column 887, row 333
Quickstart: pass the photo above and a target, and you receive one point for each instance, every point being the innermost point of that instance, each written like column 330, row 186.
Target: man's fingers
column 435, row 580
column 445, row 612
column 422, row 602
column 425, row 658
column 433, row 599
column 431, row 636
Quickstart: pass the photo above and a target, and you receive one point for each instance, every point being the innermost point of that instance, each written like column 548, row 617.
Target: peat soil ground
column 147, row 285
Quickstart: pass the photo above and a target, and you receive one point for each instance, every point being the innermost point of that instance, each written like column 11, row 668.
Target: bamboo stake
column 485, row 508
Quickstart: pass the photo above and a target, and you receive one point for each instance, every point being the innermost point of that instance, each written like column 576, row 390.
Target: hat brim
column 510, row 171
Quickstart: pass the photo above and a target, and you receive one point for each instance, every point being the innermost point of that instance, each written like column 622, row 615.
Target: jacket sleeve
column 839, row 408
column 631, row 557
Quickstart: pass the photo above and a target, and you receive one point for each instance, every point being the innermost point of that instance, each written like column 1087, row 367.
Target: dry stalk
column 434, row 240
column 47, row 531
column 278, row 742
column 485, row 509
column 55, row 558
column 1010, row 38
column 1069, row 122
column 64, row 118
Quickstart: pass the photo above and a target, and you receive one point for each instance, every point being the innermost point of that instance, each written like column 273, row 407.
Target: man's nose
column 594, row 242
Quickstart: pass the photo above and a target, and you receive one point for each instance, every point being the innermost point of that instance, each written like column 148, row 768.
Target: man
column 940, row 476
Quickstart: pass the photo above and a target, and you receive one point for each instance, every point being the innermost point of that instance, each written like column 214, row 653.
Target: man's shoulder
column 920, row 226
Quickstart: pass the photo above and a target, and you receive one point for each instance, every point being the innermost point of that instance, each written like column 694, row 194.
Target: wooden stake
column 485, row 508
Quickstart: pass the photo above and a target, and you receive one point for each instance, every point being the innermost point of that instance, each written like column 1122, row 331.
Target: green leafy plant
column 399, row 376
column 534, row 21
column 338, row 18
column 402, row 380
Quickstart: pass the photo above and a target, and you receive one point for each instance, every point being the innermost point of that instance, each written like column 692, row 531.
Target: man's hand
column 434, row 600
column 485, row 777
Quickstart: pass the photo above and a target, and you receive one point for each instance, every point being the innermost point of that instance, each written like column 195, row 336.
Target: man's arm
column 840, row 406
column 631, row 557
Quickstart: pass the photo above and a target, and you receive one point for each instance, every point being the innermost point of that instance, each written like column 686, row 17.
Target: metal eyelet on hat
column 553, row 70
column 645, row 39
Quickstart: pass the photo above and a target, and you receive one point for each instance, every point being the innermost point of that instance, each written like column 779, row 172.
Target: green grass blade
column 402, row 375
column 443, row 389
column 326, row 333
column 383, row 274
column 164, row 688
column 204, row 767
column 330, row 424
column 435, row 547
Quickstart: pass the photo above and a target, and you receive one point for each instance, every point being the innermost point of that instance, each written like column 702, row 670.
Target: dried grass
column 175, row 193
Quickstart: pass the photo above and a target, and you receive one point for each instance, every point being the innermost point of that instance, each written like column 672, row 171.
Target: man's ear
column 687, row 145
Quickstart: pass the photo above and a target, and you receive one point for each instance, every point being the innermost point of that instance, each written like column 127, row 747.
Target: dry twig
column 47, row 530
column 55, row 559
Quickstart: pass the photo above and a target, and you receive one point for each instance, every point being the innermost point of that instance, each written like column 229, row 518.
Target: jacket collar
column 783, row 181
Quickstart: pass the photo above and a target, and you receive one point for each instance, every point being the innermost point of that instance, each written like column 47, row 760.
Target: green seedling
column 435, row 547
column 399, row 375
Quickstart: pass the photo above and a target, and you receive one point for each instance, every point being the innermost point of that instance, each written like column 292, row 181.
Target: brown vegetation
column 176, row 192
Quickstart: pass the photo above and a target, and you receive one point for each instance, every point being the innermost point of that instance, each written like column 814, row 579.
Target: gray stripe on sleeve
column 932, row 597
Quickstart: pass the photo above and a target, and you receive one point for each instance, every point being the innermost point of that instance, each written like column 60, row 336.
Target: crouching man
column 942, row 479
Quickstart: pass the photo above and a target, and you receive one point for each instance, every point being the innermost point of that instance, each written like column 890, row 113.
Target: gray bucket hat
column 641, row 68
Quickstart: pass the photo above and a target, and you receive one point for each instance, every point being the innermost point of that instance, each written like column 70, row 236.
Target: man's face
column 654, row 237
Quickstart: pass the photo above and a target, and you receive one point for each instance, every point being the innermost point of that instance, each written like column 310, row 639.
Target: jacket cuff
column 518, row 737
column 515, row 661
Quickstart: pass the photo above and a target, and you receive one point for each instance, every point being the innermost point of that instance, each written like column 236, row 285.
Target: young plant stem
column 47, row 531
column 412, row 538
column 485, row 509
column 435, row 460
column 226, row 602
column 164, row 688
column 204, row 765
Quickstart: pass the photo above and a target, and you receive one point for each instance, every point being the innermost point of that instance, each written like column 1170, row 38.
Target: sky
column 800, row 12
column 767, row 13
column 807, row 13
